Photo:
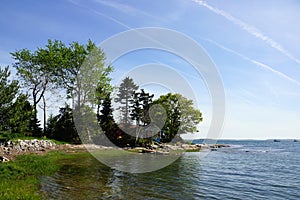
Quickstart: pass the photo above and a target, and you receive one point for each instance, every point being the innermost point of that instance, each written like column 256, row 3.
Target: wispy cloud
column 260, row 64
column 249, row 28
column 78, row 4
column 124, row 8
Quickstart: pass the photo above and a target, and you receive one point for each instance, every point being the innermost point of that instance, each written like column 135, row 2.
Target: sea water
column 246, row 170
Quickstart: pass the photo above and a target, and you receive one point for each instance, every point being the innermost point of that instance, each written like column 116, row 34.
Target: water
column 246, row 170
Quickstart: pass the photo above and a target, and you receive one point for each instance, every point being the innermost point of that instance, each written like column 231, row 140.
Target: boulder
column 3, row 159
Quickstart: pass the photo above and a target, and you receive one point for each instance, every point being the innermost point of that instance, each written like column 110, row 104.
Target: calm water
column 246, row 170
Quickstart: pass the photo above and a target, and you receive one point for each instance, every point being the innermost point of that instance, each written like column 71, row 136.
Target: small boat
column 295, row 140
column 276, row 140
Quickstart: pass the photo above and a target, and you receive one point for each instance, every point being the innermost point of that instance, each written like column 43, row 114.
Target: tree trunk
column 35, row 114
column 45, row 115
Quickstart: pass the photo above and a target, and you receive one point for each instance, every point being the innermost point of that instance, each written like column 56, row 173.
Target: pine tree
column 124, row 97
column 8, row 92
column 141, row 103
column 106, row 119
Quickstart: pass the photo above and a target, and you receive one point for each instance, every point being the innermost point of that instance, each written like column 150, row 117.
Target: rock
column 3, row 159
column 19, row 146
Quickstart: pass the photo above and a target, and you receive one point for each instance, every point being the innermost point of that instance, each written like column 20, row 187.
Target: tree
column 182, row 117
column 80, row 69
column 105, row 116
column 15, row 109
column 8, row 92
column 140, row 110
column 124, row 97
column 61, row 127
column 76, row 68
column 35, row 76
column 20, row 115
column 106, row 119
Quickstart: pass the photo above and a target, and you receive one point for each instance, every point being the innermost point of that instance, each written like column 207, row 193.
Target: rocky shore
column 9, row 150
column 165, row 148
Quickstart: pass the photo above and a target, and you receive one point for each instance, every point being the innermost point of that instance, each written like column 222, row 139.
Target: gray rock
column 3, row 159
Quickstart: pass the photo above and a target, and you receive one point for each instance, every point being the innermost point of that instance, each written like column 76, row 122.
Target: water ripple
column 246, row 171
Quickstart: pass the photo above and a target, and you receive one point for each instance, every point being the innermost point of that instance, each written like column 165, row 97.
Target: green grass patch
column 19, row 179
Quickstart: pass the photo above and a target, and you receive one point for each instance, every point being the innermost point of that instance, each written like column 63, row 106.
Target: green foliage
column 21, row 114
column 190, row 117
column 105, row 116
column 33, row 71
column 15, row 110
column 106, row 119
column 61, row 127
column 140, row 107
column 8, row 92
column 182, row 117
column 125, row 97
column 86, row 123
column 140, row 111
column 78, row 69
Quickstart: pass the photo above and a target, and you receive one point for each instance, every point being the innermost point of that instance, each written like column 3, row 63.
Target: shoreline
column 10, row 150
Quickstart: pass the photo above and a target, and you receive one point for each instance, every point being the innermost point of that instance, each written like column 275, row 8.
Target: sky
column 254, row 45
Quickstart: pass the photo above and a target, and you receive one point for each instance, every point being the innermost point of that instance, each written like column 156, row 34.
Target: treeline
column 80, row 73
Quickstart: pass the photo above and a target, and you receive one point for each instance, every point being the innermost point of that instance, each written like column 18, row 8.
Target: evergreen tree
column 140, row 110
column 21, row 114
column 106, row 119
column 8, row 92
column 61, row 127
column 146, row 100
column 124, row 97
column 141, row 103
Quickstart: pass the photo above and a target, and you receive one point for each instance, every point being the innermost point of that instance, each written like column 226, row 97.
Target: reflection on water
column 86, row 178
column 248, row 170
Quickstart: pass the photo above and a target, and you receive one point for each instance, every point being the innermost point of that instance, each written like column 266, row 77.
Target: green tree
column 106, row 119
column 182, row 117
column 140, row 110
column 124, row 97
column 8, row 92
column 76, row 68
column 15, row 109
column 21, row 113
column 34, row 73
column 80, row 69
column 61, row 127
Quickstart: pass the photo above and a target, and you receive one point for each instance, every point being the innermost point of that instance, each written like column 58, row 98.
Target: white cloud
column 124, row 8
column 260, row 64
column 250, row 29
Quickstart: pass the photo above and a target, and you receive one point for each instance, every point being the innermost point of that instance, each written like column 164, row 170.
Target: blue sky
column 255, row 46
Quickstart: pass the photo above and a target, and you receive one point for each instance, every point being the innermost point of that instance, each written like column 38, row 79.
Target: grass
column 19, row 179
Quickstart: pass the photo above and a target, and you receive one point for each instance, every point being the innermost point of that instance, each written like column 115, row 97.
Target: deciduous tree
column 182, row 117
